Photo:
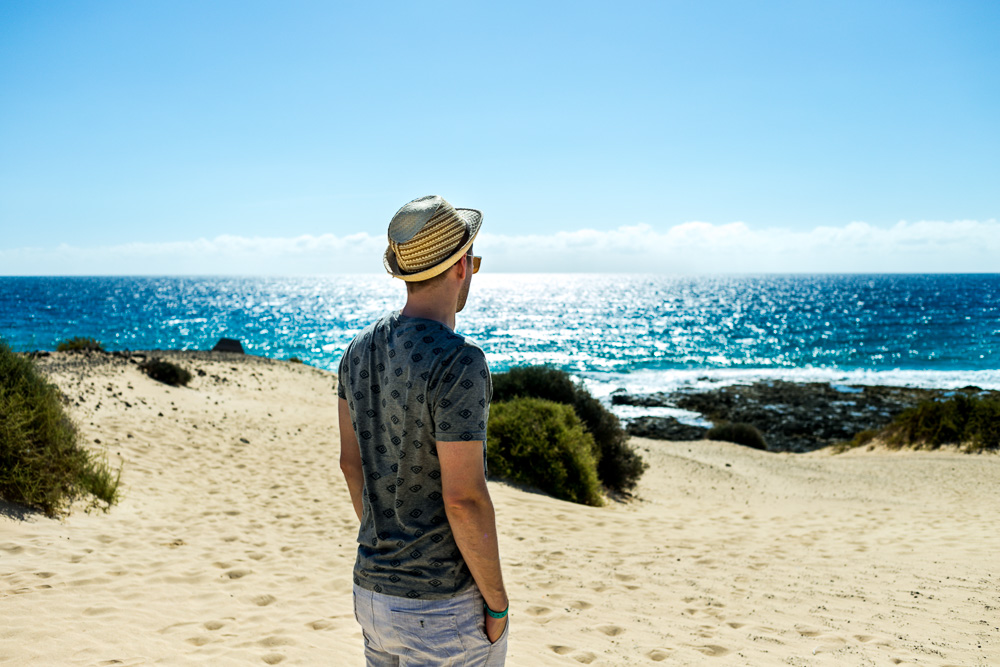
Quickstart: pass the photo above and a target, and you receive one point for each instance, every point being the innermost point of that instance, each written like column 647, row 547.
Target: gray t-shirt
column 409, row 383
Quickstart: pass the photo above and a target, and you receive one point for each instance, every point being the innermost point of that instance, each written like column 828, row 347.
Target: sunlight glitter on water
column 655, row 330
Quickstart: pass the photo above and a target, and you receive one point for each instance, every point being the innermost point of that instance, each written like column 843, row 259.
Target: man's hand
column 494, row 627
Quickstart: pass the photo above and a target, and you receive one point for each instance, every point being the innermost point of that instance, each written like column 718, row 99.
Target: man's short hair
column 412, row 287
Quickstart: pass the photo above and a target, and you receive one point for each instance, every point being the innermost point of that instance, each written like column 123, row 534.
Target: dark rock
column 664, row 428
column 228, row 345
column 659, row 399
column 793, row 417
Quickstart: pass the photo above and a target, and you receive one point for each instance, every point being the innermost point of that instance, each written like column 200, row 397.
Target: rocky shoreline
column 793, row 417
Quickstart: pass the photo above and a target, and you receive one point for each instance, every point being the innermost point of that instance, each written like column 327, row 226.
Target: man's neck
column 429, row 310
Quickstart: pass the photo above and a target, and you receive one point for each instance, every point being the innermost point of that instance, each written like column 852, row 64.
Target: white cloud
column 701, row 247
column 222, row 255
column 691, row 247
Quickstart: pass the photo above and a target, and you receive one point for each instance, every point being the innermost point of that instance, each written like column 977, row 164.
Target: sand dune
column 234, row 544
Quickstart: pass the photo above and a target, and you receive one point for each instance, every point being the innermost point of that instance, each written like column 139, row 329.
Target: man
column 414, row 403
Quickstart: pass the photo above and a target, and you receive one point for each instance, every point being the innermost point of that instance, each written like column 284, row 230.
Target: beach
column 235, row 539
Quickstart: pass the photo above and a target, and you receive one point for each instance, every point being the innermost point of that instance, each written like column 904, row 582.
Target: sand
column 234, row 542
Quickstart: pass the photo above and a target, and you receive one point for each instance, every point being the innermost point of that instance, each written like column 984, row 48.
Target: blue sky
column 253, row 137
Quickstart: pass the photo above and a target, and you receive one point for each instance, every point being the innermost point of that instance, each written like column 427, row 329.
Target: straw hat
column 427, row 236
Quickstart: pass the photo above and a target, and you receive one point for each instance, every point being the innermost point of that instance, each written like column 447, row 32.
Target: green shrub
column 859, row 440
column 740, row 433
column 80, row 344
column 538, row 381
column 41, row 463
column 166, row 372
column 970, row 421
column 544, row 444
column 618, row 465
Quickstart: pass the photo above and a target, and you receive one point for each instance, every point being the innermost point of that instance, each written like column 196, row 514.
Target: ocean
column 641, row 333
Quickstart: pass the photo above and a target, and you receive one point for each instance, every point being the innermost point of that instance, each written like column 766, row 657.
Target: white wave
column 651, row 381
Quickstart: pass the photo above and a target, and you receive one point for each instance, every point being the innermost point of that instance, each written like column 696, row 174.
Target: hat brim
column 473, row 221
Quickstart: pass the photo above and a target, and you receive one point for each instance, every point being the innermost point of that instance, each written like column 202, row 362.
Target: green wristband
column 496, row 614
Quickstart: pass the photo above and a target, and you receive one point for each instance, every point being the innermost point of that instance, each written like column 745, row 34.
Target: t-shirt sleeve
column 461, row 406
column 342, row 376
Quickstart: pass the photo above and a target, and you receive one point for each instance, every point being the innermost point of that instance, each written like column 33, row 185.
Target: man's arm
column 473, row 523
column 350, row 458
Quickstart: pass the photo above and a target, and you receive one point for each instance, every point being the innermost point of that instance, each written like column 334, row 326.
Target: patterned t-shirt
column 409, row 383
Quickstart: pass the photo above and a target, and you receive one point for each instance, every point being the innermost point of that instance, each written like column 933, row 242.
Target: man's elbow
column 350, row 467
column 465, row 500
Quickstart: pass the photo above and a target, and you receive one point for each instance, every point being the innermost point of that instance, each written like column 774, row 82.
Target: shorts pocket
column 503, row 635
column 497, row 655
column 428, row 637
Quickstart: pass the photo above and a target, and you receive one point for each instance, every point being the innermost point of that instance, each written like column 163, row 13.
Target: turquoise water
column 632, row 331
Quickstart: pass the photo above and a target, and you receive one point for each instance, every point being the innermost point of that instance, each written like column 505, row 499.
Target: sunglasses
column 476, row 260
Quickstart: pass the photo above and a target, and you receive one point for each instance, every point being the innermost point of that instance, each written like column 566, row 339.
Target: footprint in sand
column 586, row 657
column 321, row 624
column 561, row 650
column 213, row 625
column 263, row 600
column 713, row 650
column 99, row 611
column 237, row 574
column 273, row 641
column 658, row 655
column 537, row 611
column 272, row 658
column 611, row 630
column 580, row 605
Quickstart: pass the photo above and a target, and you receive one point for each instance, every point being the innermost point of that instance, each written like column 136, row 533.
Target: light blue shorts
column 400, row 632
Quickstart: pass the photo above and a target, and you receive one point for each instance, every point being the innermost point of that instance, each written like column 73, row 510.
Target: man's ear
column 463, row 266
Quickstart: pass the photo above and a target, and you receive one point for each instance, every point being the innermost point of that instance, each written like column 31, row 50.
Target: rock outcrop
column 793, row 417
